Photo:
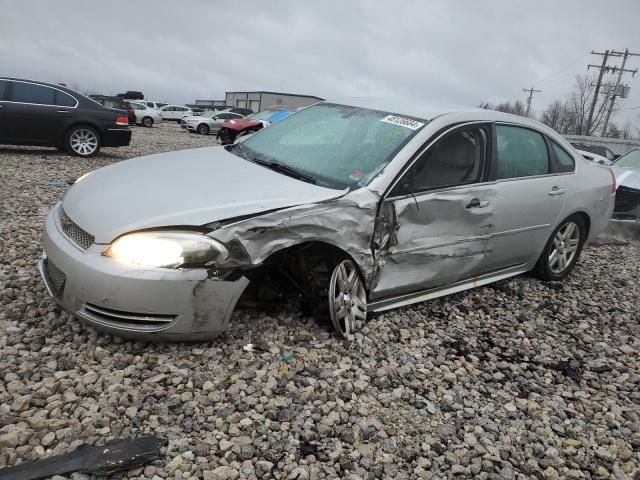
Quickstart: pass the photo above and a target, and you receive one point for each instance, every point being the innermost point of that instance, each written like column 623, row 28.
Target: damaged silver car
column 347, row 208
column 627, row 172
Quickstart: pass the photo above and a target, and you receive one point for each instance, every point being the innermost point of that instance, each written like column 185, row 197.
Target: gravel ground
column 521, row 379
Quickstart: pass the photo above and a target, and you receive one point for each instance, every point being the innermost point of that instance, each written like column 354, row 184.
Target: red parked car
column 232, row 129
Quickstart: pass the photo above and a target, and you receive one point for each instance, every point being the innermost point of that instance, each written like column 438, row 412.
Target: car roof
column 430, row 110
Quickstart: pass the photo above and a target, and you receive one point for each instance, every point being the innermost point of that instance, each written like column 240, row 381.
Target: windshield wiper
column 285, row 169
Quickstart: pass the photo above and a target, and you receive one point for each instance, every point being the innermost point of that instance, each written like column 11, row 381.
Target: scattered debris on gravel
column 514, row 380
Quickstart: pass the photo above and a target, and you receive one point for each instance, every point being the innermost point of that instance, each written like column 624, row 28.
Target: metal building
column 257, row 101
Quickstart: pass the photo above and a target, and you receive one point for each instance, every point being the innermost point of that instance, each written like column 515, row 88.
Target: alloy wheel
column 203, row 129
column 347, row 298
column 83, row 142
column 565, row 246
column 147, row 122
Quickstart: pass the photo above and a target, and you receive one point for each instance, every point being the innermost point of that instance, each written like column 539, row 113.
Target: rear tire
column 562, row 251
column 147, row 122
column 82, row 141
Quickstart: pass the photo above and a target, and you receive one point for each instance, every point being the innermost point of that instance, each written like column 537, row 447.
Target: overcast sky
column 462, row 52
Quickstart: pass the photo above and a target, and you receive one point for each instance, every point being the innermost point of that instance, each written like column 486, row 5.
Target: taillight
column 122, row 121
column 614, row 185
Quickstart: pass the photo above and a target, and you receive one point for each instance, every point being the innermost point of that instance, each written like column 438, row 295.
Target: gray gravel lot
column 521, row 379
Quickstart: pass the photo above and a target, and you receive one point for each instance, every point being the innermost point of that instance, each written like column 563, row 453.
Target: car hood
column 241, row 123
column 182, row 188
column 629, row 177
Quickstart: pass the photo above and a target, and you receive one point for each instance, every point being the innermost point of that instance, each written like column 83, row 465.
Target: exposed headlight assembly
column 167, row 249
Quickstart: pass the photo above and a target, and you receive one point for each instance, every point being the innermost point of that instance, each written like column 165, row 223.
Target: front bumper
column 116, row 137
column 141, row 303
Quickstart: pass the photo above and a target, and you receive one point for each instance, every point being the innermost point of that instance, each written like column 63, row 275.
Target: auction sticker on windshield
column 402, row 122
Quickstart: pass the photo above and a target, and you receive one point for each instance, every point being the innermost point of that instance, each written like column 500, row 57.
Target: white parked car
column 594, row 157
column 208, row 122
column 145, row 116
column 175, row 112
column 150, row 104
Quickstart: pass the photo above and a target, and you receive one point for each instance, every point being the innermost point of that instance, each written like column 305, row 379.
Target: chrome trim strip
column 422, row 295
column 45, row 280
column 468, row 239
column 93, row 317
column 129, row 316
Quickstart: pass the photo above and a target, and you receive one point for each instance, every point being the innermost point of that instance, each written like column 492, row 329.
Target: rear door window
column 521, row 152
column 32, row 93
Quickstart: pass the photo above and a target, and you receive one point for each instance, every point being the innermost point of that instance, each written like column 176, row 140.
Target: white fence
column 616, row 145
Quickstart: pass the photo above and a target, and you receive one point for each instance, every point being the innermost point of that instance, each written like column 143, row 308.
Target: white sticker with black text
column 402, row 122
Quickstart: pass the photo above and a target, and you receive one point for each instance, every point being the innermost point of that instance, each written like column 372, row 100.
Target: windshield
column 263, row 115
column 630, row 160
column 208, row 114
column 338, row 146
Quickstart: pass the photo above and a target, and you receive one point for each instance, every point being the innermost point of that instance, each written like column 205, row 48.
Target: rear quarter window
column 564, row 161
column 4, row 87
column 64, row 100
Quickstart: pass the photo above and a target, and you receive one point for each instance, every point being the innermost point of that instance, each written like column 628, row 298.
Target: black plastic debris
column 100, row 459
column 307, row 448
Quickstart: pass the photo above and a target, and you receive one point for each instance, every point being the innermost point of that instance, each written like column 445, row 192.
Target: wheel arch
column 320, row 247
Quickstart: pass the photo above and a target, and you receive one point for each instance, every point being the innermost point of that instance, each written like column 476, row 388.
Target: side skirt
column 416, row 297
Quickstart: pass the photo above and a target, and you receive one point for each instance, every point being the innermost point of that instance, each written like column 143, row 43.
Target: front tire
column 147, row 122
column 562, row 251
column 82, row 141
column 203, row 129
column 347, row 298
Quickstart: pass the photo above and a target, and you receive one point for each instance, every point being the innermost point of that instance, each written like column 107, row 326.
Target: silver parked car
column 208, row 122
column 627, row 172
column 353, row 208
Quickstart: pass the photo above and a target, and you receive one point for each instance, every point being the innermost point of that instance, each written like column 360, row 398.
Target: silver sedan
column 208, row 122
column 345, row 208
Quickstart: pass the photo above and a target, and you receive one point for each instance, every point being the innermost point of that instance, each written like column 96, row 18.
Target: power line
column 616, row 92
column 603, row 68
column 531, row 91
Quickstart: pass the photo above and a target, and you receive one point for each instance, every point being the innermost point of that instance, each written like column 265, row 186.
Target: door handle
column 63, row 111
column 476, row 203
column 557, row 191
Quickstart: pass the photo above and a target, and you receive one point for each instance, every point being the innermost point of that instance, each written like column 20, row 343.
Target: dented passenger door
column 435, row 226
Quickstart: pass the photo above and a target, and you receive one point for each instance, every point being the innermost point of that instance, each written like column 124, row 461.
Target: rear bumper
column 143, row 303
column 116, row 137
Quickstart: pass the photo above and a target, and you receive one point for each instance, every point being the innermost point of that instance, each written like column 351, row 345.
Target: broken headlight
column 167, row 249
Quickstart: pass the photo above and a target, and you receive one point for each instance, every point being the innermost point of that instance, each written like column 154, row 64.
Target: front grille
column 73, row 231
column 626, row 199
column 147, row 322
column 55, row 277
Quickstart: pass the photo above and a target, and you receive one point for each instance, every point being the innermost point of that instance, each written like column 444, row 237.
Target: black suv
column 38, row 113
column 117, row 103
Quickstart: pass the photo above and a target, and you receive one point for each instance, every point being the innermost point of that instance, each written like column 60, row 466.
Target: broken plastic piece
column 287, row 356
column 101, row 459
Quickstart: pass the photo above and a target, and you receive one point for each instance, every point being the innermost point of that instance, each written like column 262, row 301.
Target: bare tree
column 515, row 108
column 560, row 117
column 579, row 101
column 627, row 130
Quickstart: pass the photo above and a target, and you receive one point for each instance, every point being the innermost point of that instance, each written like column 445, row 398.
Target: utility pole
column 531, row 91
column 620, row 71
column 603, row 68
